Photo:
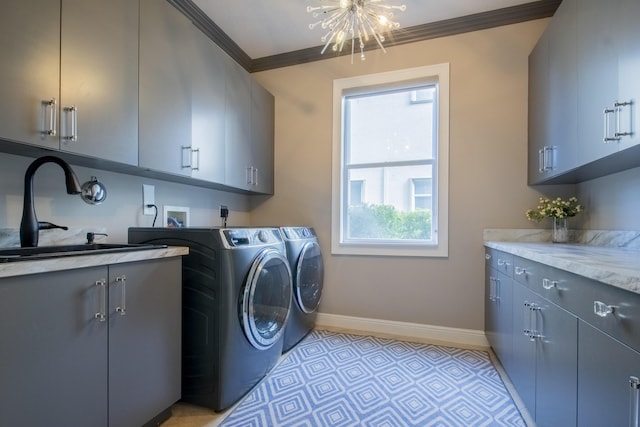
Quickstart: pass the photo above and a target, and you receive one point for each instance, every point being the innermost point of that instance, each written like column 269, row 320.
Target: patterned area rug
column 333, row 379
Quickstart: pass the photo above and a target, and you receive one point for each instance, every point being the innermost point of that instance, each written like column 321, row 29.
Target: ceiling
column 264, row 28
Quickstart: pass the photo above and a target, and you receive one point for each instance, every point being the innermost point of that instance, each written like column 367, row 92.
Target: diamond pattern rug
column 333, row 379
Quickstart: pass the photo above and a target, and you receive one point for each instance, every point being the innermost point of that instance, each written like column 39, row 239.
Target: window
column 391, row 132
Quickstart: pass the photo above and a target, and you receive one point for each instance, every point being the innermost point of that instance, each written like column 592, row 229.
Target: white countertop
column 20, row 268
column 616, row 266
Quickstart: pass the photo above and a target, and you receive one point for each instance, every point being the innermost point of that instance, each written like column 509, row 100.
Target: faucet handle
column 44, row 225
column 91, row 236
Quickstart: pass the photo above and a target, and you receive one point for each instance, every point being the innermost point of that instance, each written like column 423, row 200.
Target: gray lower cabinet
column 71, row 77
column 499, row 315
column 608, row 373
column 545, row 351
column 90, row 347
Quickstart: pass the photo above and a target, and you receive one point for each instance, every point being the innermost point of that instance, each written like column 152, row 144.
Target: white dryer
column 307, row 270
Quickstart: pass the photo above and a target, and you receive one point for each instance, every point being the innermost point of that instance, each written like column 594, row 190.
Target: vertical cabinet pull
column 122, row 308
column 619, row 106
column 607, row 124
column 101, row 315
column 531, row 321
column 73, row 114
column 546, row 159
column 634, row 406
column 51, row 105
column 187, row 158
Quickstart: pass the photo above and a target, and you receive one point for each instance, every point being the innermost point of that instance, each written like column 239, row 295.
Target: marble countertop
column 616, row 266
column 21, row 268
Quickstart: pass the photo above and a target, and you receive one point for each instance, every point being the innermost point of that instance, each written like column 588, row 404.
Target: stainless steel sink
column 44, row 252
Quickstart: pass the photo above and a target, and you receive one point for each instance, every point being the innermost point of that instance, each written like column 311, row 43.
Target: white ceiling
column 269, row 27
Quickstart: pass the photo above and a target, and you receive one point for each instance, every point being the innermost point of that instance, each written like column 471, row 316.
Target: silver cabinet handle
column 492, row 289
column 197, row 162
column 487, row 256
column 73, row 112
column 520, row 271
column 607, row 112
column 249, row 174
column 535, row 332
column 122, row 308
column 503, row 263
column 101, row 315
column 527, row 319
column 634, row 407
column 603, row 310
column 549, row 284
column 255, row 176
column 186, row 154
column 541, row 157
column 52, row 105
column 619, row 106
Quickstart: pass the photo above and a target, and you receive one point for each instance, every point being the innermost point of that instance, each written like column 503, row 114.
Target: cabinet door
column 239, row 162
column 604, row 369
column 539, row 110
column 500, row 320
column 556, row 365
column 597, row 77
column 99, row 76
column 166, row 51
column 523, row 371
column 145, row 308
column 208, row 108
column 262, row 140
column 629, row 70
column 30, row 76
column 563, row 88
column 53, row 352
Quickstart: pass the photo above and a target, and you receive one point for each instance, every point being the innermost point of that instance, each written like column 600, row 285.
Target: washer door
column 309, row 277
column 266, row 299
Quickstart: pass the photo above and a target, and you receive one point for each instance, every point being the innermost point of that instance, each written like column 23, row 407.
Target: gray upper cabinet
column 30, row 50
column 208, row 109
column 239, row 172
column 99, row 79
column 166, row 52
column 73, row 86
column 586, row 124
column 597, row 78
column 262, row 138
column 553, row 111
column 628, row 71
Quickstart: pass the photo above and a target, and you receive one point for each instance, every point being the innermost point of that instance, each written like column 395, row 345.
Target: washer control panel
column 297, row 233
column 242, row 237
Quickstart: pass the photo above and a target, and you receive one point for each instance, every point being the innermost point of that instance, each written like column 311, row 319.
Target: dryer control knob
column 263, row 236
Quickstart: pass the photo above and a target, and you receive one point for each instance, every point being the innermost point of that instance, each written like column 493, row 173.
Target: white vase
column 560, row 231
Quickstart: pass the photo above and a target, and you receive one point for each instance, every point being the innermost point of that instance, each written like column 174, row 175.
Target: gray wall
column 123, row 207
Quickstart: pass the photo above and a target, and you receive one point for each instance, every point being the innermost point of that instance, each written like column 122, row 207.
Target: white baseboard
column 410, row 331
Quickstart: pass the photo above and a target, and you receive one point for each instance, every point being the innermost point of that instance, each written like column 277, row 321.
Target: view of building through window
column 390, row 148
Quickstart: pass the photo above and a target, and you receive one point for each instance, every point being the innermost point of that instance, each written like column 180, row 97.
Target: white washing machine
column 307, row 269
column 236, row 297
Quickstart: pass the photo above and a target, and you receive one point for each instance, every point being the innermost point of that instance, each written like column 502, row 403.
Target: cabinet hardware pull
column 183, row 163
column 549, row 284
column 634, row 407
column 541, row 166
column 535, row 333
column 549, row 159
column 520, row 271
column 527, row 319
column 102, row 314
column 487, row 256
column 619, row 106
column 255, row 176
column 73, row 112
column 503, row 263
column 249, row 174
column 606, row 137
column 52, row 105
column 492, row 289
column 197, row 163
column 122, row 308
column 603, row 310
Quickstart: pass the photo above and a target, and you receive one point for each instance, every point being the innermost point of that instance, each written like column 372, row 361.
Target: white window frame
column 428, row 74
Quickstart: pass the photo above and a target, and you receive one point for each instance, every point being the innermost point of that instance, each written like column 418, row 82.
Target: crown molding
column 479, row 21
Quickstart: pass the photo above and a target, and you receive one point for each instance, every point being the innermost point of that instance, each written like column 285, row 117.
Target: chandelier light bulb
column 356, row 21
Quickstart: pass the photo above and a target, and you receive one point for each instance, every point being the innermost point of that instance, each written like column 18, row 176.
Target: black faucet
column 30, row 226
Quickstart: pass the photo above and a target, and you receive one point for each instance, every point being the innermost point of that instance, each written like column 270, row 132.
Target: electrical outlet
column 148, row 198
column 224, row 211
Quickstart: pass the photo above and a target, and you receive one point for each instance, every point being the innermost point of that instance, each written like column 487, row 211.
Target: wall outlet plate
column 148, row 198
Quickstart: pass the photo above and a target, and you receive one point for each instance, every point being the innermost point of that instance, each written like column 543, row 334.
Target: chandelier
column 355, row 20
